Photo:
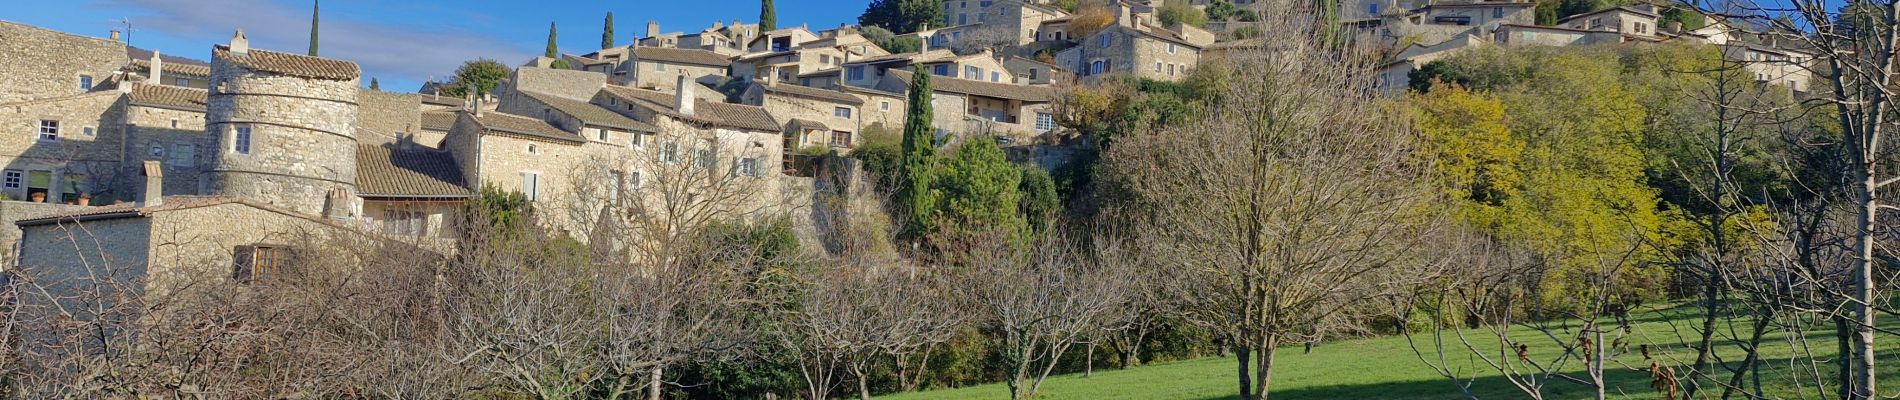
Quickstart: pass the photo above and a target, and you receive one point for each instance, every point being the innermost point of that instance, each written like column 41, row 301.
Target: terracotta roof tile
column 438, row 120
column 131, row 209
column 807, row 91
column 170, row 68
column 383, row 171
column 590, row 113
column 168, row 96
column 524, row 126
column 290, row 64
column 687, row 56
column 715, row 113
column 981, row 88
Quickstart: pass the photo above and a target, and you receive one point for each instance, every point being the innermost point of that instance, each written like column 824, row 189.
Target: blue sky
column 403, row 43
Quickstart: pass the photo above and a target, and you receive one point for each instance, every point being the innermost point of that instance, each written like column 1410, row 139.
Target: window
column 405, row 223
column 659, row 66
column 749, row 166
column 261, row 263
column 532, row 149
column 531, row 185
column 13, row 178
column 1497, row 12
column 985, row 3
column 174, row 124
column 1098, row 67
column 1642, row 27
column 707, row 156
column 85, row 82
column 633, row 179
column 1045, row 122
column 856, row 73
column 841, row 112
column 670, row 153
column 941, row 70
column 840, row 139
column 88, row 131
column 1157, row 67
column 824, row 59
column 1104, row 41
column 971, row 72
column 884, row 105
column 182, row 154
column 181, row 82
column 1372, row 8
column 1170, row 48
column 639, row 139
column 242, row 143
column 963, row 19
column 1033, row 73
column 49, row 130
column 996, row 76
column 157, row 151
column 1170, row 69
column 1596, row 23
column 601, row 134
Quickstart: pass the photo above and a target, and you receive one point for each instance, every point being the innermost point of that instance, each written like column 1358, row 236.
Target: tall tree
column 373, row 85
column 479, row 75
column 607, row 32
column 914, row 193
column 768, row 16
column 554, row 51
column 313, row 27
column 902, row 16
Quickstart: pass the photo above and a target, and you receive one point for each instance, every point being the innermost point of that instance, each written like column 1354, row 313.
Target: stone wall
column 384, row 117
column 1164, row 60
column 303, row 140
column 881, row 109
column 664, row 76
column 785, row 107
column 89, row 138
column 175, row 137
column 571, row 84
column 14, row 211
column 39, row 63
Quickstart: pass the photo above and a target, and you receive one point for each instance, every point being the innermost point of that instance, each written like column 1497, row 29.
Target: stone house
column 780, row 40
column 724, row 39
column 42, row 63
column 828, row 118
column 515, row 153
column 743, row 138
column 647, row 67
column 409, row 191
column 979, row 107
column 166, row 124
column 882, row 110
column 61, row 149
column 435, row 126
column 786, row 66
column 590, row 121
column 1790, row 68
column 1634, row 22
column 1032, row 72
column 1136, row 50
column 823, row 79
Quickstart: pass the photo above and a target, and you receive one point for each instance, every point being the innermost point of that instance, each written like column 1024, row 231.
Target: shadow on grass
column 1623, row 384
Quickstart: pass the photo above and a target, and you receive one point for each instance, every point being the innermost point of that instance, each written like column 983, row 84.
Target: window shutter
column 242, row 258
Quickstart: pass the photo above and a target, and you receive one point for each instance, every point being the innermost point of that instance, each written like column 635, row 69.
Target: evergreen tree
column 903, row 16
column 313, row 28
column 553, row 50
column 768, row 16
column 373, row 85
column 607, row 33
column 919, row 156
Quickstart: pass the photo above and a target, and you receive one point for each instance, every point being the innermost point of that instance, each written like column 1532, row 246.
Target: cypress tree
column 919, row 158
column 374, row 86
column 768, row 16
column 313, row 27
column 607, row 32
column 553, row 51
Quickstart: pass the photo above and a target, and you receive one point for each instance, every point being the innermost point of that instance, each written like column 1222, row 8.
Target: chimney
column 158, row 69
column 653, row 28
column 154, row 193
column 240, row 44
column 115, row 35
column 338, row 204
column 683, row 97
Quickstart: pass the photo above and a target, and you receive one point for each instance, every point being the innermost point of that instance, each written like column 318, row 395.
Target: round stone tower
column 284, row 127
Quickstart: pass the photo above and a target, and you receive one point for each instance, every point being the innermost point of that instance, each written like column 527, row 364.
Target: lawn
column 1387, row 368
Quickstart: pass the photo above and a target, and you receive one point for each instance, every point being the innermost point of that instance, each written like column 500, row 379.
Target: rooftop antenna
column 128, row 29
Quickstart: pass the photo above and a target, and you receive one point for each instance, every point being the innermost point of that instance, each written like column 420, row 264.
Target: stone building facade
column 60, row 149
column 280, row 122
column 814, row 117
column 1147, row 52
column 41, row 63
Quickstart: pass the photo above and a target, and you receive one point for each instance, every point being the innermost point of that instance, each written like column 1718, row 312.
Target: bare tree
column 1292, row 203
column 1043, row 297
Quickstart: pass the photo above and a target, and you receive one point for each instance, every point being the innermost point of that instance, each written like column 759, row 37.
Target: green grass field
column 1387, row 368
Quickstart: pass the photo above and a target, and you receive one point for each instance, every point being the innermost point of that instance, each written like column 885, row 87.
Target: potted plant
column 39, row 197
column 85, row 199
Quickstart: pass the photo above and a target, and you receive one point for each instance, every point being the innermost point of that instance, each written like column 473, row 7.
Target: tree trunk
column 1711, row 306
column 1241, row 355
column 653, row 387
column 1088, row 362
column 1264, row 373
column 1864, row 385
column 864, row 387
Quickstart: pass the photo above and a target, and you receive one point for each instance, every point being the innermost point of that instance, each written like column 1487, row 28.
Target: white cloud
column 386, row 51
